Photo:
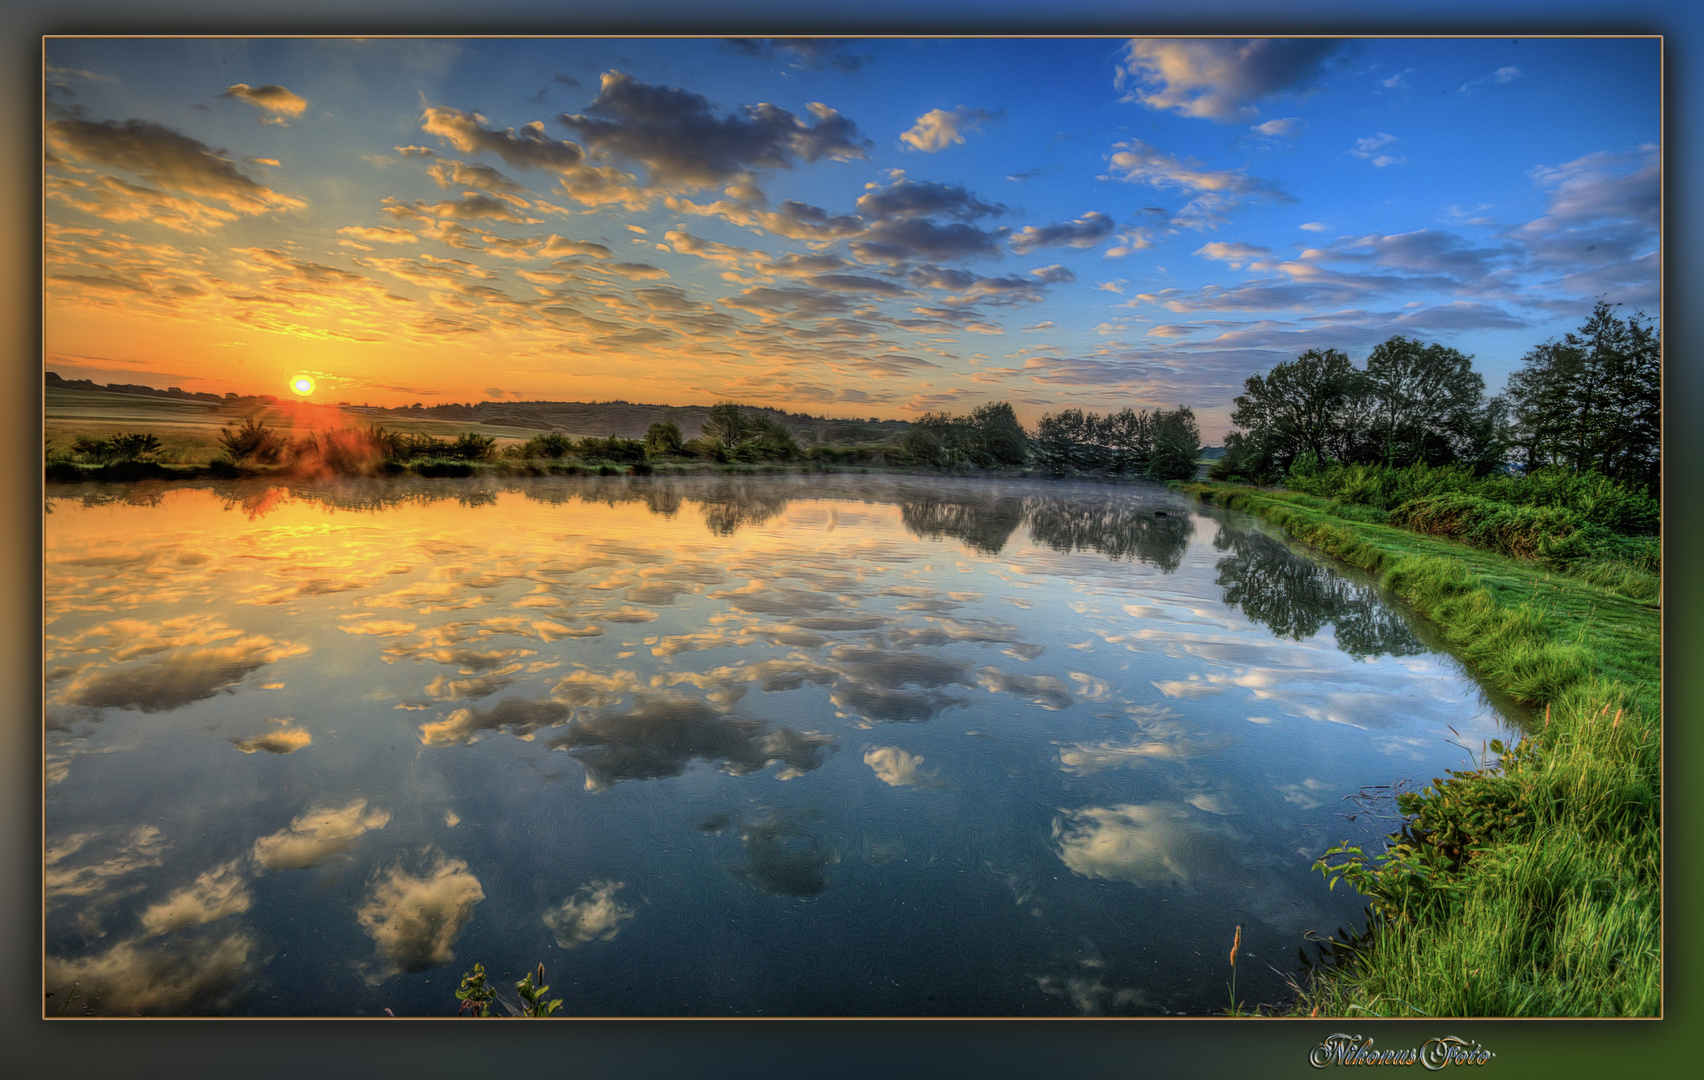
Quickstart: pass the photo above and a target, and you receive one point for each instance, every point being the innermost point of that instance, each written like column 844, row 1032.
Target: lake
column 709, row 746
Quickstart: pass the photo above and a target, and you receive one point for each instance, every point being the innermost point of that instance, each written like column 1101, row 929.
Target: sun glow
column 302, row 385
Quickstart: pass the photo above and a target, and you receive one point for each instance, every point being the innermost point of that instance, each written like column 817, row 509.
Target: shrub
column 252, row 440
column 550, row 444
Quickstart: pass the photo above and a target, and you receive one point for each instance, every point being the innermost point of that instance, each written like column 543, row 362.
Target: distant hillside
column 629, row 420
column 599, row 418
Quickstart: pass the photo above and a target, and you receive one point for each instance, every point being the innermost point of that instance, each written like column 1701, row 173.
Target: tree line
column 1590, row 402
column 1162, row 445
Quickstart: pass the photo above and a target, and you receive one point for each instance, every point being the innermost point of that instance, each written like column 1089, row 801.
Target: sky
column 871, row 227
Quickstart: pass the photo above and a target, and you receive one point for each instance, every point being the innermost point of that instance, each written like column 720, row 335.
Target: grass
column 1531, row 885
column 188, row 430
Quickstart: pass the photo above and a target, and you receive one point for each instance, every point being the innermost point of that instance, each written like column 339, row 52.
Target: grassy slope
column 1532, row 889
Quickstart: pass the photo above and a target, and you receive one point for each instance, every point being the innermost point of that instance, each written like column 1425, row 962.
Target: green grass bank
column 1530, row 886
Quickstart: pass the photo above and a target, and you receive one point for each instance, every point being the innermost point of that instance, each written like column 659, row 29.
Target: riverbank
column 1530, row 886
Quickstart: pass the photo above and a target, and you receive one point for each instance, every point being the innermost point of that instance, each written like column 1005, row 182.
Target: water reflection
column 413, row 918
column 645, row 717
column 591, row 914
column 784, row 855
column 1296, row 597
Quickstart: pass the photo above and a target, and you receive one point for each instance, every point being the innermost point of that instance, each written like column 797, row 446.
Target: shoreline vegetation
column 1529, row 884
column 1164, row 445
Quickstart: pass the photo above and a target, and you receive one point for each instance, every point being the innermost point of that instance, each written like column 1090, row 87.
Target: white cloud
column 938, row 129
column 1371, row 149
column 1497, row 78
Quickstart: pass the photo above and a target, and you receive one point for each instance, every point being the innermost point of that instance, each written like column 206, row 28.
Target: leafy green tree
column 1002, row 439
column 1424, row 402
column 1062, row 441
column 1177, row 445
column 726, row 424
column 1593, row 401
column 664, row 437
column 1299, row 405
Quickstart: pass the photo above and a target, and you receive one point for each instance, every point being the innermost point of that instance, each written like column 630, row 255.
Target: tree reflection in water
column 1295, row 598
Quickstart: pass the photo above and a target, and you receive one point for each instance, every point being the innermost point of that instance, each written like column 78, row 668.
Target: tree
column 1299, row 405
column 1593, row 401
column 1003, row 440
column 1424, row 403
column 1177, row 444
column 726, row 424
column 663, row 437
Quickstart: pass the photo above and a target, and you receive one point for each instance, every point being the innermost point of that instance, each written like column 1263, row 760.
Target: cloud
column 685, row 145
column 896, row 767
column 660, row 736
column 591, row 914
column 1085, row 232
column 1236, row 254
column 917, row 198
column 193, row 978
column 186, row 676
column 897, row 240
column 483, row 177
column 1600, row 231
column 1212, row 192
column 1287, row 128
column 470, row 207
column 219, row 892
column 142, row 848
column 1148, row 844
column 813, row 54
column 317, row 835
column 414, row 919
column 1500, row 76
column 1220, row 79
column 381, row 235
column 938, row 129
column 161, row 156
column 530, row 148
column 271, row 97
column 284, row 740
column 1368, row 149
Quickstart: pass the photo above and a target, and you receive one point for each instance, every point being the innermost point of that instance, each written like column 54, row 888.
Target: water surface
column 709, row 746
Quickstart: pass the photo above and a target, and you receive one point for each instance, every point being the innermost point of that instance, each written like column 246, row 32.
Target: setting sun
column 302, row 385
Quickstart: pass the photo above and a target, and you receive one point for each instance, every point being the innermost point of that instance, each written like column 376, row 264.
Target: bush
column 129, row 447
column 550, row 444
column 252, row 440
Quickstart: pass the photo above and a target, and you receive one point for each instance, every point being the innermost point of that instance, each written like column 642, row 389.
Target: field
column 189, row 430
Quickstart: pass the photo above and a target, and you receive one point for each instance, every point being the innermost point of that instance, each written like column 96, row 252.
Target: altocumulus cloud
column 1219, row 78
column 938, row 129
column 164, row 157
column 1085, row 232
column 684, row 145
column 273, row 98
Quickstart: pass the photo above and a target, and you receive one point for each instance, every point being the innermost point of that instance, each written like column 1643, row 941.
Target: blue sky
column 851, row 227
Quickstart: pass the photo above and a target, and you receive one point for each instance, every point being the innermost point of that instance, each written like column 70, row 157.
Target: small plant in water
column 1236, row 943
column 477, row 996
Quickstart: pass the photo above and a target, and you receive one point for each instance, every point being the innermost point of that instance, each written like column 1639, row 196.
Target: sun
column 302, row 385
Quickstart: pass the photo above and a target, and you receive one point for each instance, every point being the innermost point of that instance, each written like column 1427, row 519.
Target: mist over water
column 710, row 746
